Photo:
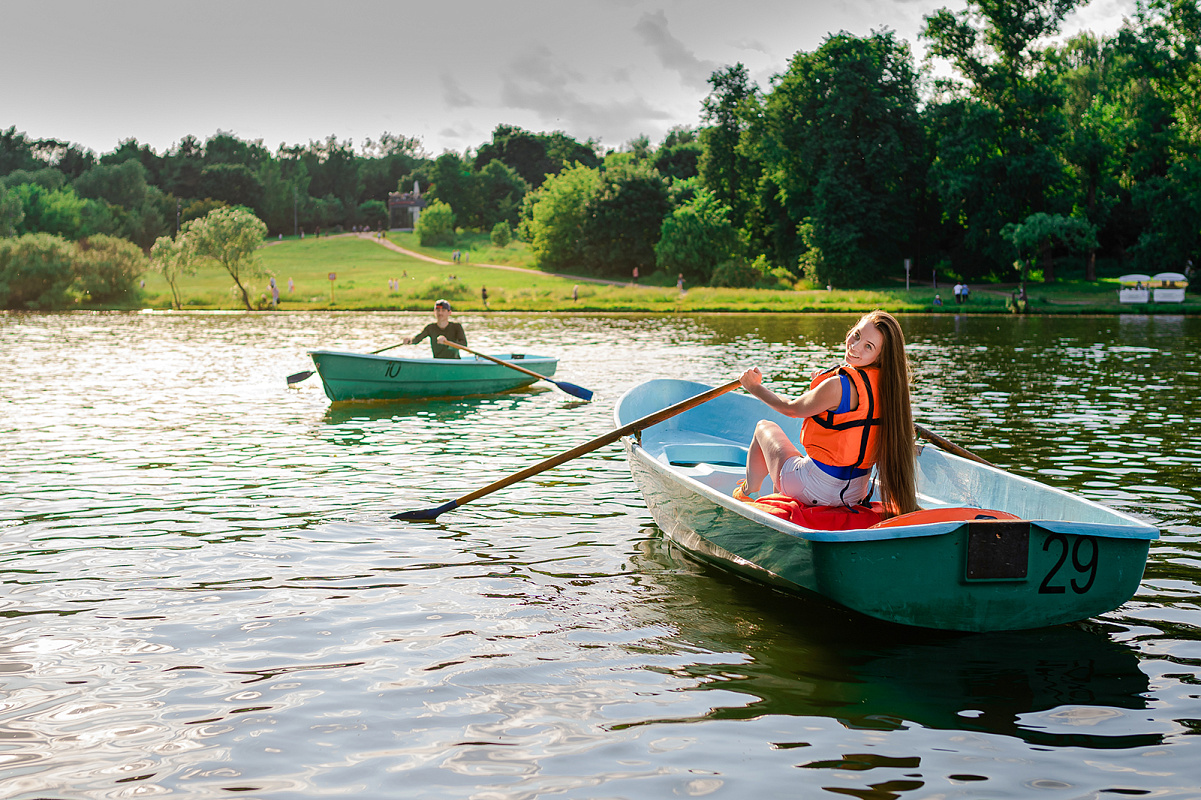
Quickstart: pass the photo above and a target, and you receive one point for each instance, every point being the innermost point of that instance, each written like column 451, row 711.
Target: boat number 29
column 1085, row 555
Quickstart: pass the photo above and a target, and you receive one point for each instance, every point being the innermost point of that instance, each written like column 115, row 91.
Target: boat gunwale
column 464, row 361
column 1132, row 529
column 1140, row 530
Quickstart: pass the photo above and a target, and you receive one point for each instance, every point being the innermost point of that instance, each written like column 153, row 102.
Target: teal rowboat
column 354, row 376
column 1066, row 559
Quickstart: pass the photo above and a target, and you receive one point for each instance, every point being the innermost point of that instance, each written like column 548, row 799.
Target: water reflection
column 202, row 592
column 800, row 656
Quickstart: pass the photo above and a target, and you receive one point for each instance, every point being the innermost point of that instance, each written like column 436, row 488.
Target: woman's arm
column 824, row 397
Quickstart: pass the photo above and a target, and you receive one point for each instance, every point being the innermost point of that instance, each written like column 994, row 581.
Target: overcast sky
column 445, row 72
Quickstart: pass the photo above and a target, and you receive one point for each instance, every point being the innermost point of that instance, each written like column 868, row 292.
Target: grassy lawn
column 364, row 268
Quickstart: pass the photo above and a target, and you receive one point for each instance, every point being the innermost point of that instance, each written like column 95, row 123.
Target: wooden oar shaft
column 497, row 360
column 600, row 441
column 948, row 445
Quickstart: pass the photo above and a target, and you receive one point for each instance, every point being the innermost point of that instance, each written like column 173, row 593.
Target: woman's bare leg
column 769, row 449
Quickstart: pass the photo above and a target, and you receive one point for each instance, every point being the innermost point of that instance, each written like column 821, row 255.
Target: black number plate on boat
column 998, row 550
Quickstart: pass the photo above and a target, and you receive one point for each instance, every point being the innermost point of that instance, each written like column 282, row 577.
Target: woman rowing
column 857, row 415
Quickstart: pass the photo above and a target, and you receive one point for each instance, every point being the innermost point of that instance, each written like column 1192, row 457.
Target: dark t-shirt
column 453, row 333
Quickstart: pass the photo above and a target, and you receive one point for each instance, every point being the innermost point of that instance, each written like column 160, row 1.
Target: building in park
column 404, row 208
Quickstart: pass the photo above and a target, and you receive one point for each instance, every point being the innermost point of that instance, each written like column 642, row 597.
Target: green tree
column 501, row 234
column 16, row 151
column 534, row 156
column 841, row 146
column 12, row 213
column 236, row 184
column 622, row 220
column 553, row 217
column 107, row 268
column 1173, row 208
column 373, row 214
column 454, row 184
column 231, row 237
column 436, row 225
column 678, row 158
column 174, row 258
column 696, row 237
column 36, row 271
column 1035, row 238
column 723, row 167
column 501, row 192
column 48, row 178
column 122, row 184
column 997, row 141
column 59, row 212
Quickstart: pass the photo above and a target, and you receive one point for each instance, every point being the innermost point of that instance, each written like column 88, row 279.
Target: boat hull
column 966, row 576
column 355, row 376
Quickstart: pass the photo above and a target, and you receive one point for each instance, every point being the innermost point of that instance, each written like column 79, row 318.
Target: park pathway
column 421, row 256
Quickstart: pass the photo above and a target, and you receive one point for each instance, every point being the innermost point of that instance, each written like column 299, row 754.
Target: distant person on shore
column 274, row 293
column 484, row 295
column 290, row 286
column 958, row 292
column 938, row 300
column 965, row 292
column 635, row 274
column 440, row 331
column 680, row 282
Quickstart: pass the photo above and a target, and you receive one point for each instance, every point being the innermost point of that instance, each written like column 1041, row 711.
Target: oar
column 949, row 446
column 587, row 447
column 308, row 373
column 570, row 388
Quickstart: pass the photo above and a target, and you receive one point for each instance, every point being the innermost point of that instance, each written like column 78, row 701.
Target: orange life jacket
column 849, row 439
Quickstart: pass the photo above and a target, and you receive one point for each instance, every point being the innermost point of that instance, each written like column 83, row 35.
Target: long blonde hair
column 894, row 457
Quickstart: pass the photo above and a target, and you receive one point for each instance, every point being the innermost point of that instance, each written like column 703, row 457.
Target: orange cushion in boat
column 819, row 518
column 928, row 515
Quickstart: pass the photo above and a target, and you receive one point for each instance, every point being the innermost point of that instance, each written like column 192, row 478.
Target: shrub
column 501, row 234
column 36, row 271
column 107, row 267
column 436, row 225
column 738, row 273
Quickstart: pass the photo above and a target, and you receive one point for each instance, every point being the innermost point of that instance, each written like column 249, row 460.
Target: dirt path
column 422, row 257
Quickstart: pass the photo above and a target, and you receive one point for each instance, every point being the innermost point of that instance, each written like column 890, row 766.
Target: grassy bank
column 364, row 268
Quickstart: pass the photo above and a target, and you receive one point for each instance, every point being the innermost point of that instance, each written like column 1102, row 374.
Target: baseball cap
column 442, row 304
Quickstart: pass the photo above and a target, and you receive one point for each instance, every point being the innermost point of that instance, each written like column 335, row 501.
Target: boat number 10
column 1085, row 555
column 393, row 369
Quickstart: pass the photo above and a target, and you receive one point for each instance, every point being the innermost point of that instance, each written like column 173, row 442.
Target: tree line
column 853, row 160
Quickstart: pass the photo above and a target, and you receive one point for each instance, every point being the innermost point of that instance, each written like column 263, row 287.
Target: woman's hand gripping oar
column 949, row 446
column 587, row 447
column 570, row 388
column 308, row 373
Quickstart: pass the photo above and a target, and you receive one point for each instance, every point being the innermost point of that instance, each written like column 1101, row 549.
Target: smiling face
column 863, row 344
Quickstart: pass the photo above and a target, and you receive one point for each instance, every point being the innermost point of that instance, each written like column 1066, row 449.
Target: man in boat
column 857, row 415
column 441, row 331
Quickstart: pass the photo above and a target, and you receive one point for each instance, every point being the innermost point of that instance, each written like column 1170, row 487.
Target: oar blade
column 573, row 390
column 426, row 514
column 299, row 376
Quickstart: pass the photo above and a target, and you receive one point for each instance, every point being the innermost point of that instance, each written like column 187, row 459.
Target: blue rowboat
column 1063, row 558
column 355, row 376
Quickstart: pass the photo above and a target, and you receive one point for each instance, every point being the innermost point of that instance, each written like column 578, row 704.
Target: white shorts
column 804, row 480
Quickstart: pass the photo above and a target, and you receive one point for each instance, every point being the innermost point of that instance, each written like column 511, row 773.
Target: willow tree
column 231, row 237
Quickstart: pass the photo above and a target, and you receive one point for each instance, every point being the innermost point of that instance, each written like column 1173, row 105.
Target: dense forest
column 854, row 159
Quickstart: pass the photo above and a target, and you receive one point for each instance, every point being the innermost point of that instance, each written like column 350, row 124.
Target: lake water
column 203, row 594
